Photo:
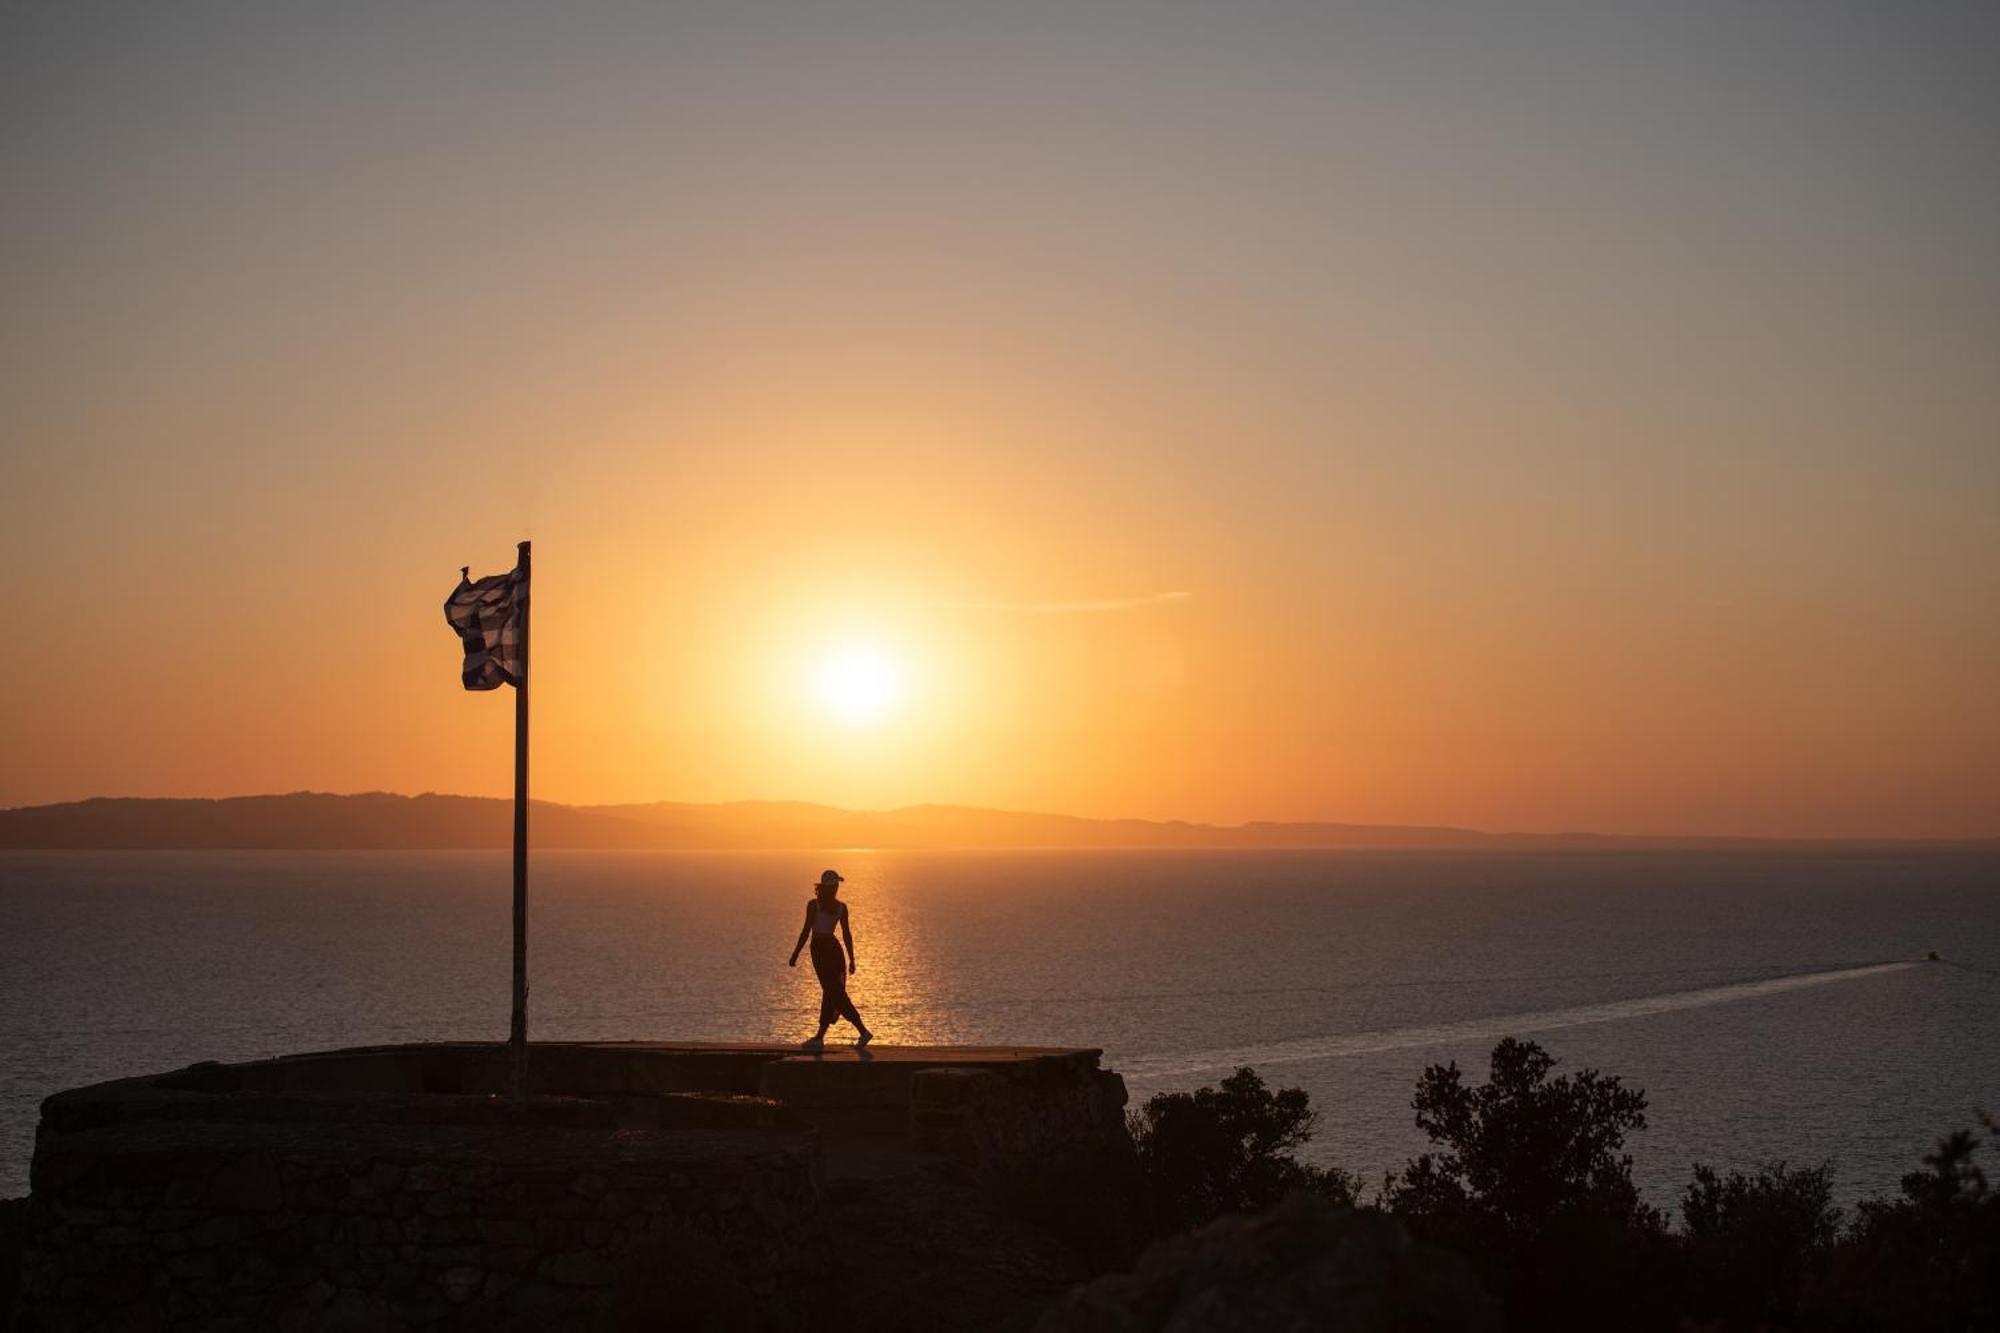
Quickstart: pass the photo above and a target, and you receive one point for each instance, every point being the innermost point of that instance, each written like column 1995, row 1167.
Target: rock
column 1305, row 1264
column 954, row 1086
column 137, row 1319
column 199, row 1264
column 214, row 1231
column 245, row 1185
column 353, row 1312
column 506, row 1231
column 13, row 1246
column 578, row 1268
column 460, row 1283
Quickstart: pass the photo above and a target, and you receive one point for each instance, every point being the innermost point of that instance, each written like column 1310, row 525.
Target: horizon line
column 606, row 807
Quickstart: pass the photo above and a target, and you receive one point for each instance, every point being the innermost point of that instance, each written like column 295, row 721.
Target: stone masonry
column 393, row 1188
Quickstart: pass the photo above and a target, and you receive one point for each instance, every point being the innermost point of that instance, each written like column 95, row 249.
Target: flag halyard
column 488, row 615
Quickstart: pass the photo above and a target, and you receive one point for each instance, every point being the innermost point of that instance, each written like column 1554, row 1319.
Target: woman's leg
column 849, row 1012
column 830, row 963
column 829, row 966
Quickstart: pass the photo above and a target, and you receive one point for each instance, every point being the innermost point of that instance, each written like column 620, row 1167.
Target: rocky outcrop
column 1305, row 1264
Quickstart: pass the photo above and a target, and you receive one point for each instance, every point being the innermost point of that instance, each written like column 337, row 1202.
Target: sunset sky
column 1518, row 416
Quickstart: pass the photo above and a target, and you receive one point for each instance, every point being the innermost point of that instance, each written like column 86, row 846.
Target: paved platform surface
column 649, row 1086
column 837, row 1049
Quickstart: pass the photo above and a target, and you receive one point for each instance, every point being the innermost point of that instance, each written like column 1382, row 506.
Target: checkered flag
column 488, row 615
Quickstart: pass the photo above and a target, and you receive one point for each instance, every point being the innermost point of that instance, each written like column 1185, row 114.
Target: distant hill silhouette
column 383, row 820
column 308, row 819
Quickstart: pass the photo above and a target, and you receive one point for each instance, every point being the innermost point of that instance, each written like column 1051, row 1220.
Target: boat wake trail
column 1170, row 1065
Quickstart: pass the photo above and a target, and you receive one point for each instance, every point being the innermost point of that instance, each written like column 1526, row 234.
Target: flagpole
column 517, row 1036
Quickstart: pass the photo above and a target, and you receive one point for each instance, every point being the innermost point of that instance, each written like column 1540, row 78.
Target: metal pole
column 517, row 1037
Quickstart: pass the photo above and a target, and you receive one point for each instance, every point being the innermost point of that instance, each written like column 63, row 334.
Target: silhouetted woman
column 824, row 911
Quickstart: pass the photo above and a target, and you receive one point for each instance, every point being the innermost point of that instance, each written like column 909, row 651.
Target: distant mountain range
column 383, row 820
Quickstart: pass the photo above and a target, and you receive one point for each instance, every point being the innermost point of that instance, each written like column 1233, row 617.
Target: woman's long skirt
column 830, row 963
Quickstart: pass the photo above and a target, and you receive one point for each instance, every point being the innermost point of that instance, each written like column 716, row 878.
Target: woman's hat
column 827, row 877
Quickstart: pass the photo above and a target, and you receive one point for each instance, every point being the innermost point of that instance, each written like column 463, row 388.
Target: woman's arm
column 847, row 931
column 804, row 932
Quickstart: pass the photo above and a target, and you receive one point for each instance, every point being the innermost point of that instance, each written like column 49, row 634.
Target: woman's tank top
column 824, row 919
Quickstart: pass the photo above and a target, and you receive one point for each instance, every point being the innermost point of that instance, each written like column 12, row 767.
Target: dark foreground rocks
column 1307, row 1264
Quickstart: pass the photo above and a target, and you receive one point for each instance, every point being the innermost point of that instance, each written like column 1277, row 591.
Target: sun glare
column 859, row 684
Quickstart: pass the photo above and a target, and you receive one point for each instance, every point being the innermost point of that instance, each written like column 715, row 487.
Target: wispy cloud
column 1075, row 608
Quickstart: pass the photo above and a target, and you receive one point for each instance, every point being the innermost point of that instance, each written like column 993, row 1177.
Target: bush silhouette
column 1929, row 1260
column 1530, row 1183
column 1528, row 1179
column 1227, row 1150
column 1751, row 1244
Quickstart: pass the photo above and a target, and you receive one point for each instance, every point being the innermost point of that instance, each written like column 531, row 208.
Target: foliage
column 1525, row 1150
column 1531, row 1184
column 1751, row 1244
column 1929, row 1260
column 1528, row 1179
column 1227, row 1149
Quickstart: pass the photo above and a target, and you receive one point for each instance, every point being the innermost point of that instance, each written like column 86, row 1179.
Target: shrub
column 1227, row 1149
column 1524, row 1150
column 1929, row 1260
column 1532, row 1186
column 1751, row 1243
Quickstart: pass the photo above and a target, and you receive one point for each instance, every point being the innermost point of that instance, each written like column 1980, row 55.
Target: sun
column 859, row 683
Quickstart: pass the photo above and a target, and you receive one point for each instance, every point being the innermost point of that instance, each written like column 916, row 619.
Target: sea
column 1772, row 1005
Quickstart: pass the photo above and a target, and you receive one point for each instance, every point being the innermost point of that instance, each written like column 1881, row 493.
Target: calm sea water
column 1743, row 992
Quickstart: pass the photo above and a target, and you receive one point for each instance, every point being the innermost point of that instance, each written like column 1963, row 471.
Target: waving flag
column 489, row 615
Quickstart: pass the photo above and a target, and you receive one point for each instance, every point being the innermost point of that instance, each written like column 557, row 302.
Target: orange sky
column 1545, row 421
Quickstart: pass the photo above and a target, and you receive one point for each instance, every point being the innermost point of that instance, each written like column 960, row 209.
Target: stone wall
column 632, row 1185
column 13, row 1241
column 1001, row 1128
column 280, row 1227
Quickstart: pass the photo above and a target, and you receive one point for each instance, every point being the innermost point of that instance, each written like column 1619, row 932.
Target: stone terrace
column 399, row 1187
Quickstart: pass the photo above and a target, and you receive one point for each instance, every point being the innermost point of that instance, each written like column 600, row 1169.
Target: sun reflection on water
column 895, row 985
